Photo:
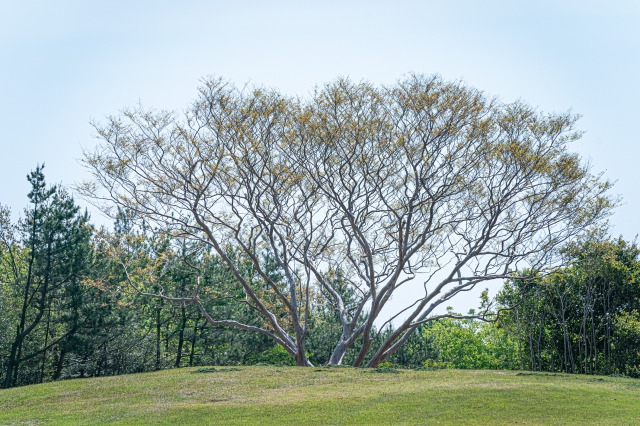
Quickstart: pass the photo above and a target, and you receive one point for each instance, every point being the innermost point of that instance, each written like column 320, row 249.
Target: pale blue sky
column 64, row 63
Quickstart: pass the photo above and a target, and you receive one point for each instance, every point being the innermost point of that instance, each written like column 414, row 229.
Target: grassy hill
column 289, row 395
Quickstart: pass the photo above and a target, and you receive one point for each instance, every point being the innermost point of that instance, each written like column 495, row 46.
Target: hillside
column 292, row 395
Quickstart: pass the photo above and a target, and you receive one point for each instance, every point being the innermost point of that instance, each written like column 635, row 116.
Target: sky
column 68, row 63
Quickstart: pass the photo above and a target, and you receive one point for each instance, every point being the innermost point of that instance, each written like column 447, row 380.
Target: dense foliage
column 584, row 318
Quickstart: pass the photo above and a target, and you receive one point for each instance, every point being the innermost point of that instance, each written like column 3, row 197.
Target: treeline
column 583, row 319
column 72, row 304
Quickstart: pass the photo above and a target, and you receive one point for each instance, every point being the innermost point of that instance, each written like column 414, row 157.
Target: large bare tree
column 426, row 184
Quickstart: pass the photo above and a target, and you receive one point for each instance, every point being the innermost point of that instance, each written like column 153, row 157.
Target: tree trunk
column 339, row 352
column 60, row 363
column 193, row 339
column 46, row 342
column 158, row 338
column 11, row 364
column 183, row 323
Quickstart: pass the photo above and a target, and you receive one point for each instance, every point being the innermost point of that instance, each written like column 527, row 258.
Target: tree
column 45, row 257
column 424, row 184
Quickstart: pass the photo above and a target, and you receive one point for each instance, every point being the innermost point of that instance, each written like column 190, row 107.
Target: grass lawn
column 290, row 395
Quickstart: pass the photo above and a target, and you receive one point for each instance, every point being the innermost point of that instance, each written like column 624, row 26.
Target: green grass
column 290, row 395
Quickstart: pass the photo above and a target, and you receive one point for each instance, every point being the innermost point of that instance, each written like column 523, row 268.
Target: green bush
column 273, row 356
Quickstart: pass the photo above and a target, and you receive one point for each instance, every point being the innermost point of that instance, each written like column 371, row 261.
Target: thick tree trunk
column 366, row 345
column 301, row 356
column 339, row 352
column 302, row 361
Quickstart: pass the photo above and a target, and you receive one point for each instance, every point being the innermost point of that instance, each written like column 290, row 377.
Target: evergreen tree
column 46, row 269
